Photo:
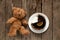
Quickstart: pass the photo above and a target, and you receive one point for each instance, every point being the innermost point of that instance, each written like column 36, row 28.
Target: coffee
column 40, row 24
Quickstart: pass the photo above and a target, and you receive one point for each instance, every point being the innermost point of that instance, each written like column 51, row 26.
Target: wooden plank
column 47, row 9
column 8, row 14
column 17, row 3
column 39, row 6
column 56, row 19
column 2, row 20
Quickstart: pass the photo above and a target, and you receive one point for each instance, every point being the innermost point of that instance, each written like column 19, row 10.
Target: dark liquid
column 40, row 19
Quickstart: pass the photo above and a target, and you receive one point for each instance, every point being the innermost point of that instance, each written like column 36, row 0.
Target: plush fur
column 18, row 22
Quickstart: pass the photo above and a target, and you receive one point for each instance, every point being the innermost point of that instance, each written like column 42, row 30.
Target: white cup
column 33, row 19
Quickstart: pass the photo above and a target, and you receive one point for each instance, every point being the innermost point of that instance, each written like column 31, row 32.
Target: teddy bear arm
column 24, row 22
column 11, row 20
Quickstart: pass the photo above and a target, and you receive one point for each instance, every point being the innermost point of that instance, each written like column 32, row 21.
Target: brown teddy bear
column 18, row 22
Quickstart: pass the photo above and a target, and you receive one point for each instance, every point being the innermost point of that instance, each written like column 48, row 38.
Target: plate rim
column 44, row 29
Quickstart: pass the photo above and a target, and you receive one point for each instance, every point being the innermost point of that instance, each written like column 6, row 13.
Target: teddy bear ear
column 24, row 11
column 13, row 8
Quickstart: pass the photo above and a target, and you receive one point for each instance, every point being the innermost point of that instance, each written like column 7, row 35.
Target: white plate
column 33, row 19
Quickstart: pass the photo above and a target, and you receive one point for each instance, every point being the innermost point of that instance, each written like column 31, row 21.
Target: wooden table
column 49, row 7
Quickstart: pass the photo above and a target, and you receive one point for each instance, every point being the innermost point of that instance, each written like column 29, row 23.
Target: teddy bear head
column 18, row 12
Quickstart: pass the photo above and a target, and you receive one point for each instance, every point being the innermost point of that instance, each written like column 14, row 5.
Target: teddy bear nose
column 19, row 15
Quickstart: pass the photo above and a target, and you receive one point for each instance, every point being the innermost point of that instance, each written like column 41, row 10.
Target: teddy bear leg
column 12, row 31
column 23, row 31
column 25, row 22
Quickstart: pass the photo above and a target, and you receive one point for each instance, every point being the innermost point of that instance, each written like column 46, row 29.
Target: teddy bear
column 18, row 22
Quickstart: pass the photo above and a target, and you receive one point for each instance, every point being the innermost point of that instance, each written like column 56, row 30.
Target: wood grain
column 2, row 20
column 17, row 3
column 8, row 14
column 47, row 9
column 56, row 19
